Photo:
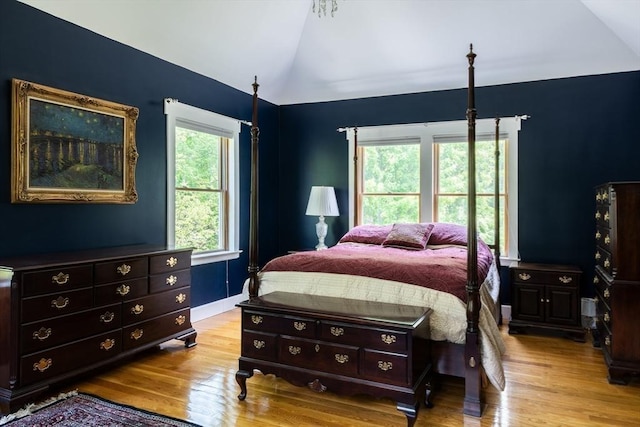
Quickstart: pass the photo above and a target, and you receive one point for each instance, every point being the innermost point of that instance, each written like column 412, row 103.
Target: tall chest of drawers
column 65, row 314
column 617, row 277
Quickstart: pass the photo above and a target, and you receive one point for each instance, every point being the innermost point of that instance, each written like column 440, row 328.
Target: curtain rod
column 517, row 116
column 175, row 101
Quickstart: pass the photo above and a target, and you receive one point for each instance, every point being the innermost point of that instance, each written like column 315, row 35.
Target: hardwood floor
column 550, row 381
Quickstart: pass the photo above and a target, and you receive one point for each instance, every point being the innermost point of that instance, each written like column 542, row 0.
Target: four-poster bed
column 470, row 350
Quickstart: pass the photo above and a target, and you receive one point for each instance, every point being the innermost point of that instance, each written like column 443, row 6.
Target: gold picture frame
column 70, row 148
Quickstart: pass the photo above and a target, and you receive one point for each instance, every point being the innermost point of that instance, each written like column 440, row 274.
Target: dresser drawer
column 603, row 238
column 603, row 216
column 604, row 260
column 56, row 280
column 174, row 279
column 156, row 329
column 380, row 339
column 390, row 368
column 45, row 306
column 141, row 309
column 526, row 275
column 115, row 271
column 63, row 359
column 42, row 334
column 318, row 355
column 259, row 345
column 121, row 291
column 170, row 262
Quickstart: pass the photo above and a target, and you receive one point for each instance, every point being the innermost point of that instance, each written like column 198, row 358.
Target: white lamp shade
column 322, row 202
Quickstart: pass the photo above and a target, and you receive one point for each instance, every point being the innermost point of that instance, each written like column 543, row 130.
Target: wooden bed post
column 253, row 204
column 472, row 399
column 496, row 238
column 355, row 177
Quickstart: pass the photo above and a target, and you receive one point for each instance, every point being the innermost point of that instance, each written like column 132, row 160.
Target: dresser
column 546, row 297
column 66, row 314
column 617, row 277
column 339, row 345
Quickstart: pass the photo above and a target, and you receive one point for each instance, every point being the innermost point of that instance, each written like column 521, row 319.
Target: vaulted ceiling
column 369, row 47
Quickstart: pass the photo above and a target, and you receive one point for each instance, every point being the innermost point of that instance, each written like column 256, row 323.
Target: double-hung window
column 418, row 173
column 202, row 182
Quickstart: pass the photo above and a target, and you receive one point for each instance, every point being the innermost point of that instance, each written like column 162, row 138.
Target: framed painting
column 70, row 148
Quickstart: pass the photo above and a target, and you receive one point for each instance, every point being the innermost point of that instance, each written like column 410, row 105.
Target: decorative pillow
column 448, row 234
column 409, row 236
column 370, row 234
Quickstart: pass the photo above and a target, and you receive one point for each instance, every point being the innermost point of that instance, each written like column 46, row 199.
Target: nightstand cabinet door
column 528, row 302
column 561, row 305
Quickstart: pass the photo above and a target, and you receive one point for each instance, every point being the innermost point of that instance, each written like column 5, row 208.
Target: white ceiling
column 370, row 47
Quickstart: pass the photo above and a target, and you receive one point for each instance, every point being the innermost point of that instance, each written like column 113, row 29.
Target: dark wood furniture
column 339, row 345
column 617, row 277
column 66, row 314
column 546, row 297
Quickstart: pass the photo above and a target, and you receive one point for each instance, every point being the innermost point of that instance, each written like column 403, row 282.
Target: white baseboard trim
column 207, row 310
column 505, row 310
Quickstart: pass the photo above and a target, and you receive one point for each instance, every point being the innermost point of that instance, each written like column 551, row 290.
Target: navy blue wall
column 40, row 48
column 582, row 132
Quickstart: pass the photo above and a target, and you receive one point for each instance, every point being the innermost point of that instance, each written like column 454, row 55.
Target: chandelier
column 322, row 7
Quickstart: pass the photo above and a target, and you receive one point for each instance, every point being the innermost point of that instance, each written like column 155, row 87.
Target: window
column 418, row 172
column 202, row 182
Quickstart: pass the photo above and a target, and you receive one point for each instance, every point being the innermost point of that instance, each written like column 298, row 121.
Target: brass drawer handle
column 606, row 216
column 180, row 298
column 598, row 197
column 259, row 344
column 137, row 334
column 596, row 300
column 388, row 339
column 607, row 340
column 294, row 350
column 598, row 215
column 598, row 256
column 606, row 293
column 180, row 320
column 107, row 317
column 596, row 280
column 42, row 365
column 137, row 309
column 171, row 280
column 605, row 195
column 124, row 269
column 300, row 326
column 172, row 262
column 42, row 334
column 60, row 302
column 565, row 279
column 341, row 358
column 256, row 319
column 607, row 317
column 607, row 263
column 385, row 366
column 60, row 278
column 598, row 235
column 524, row 276
column 607, row 239
column 337, row 331
column 107, row 344
column 123, row 290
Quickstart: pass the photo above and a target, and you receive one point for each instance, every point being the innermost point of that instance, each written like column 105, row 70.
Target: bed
column 462, row 286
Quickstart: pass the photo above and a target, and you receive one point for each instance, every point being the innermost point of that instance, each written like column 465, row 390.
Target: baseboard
column 207, row 310
column 505, row 310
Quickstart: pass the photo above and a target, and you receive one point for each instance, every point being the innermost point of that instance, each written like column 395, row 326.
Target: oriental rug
column 84, row 410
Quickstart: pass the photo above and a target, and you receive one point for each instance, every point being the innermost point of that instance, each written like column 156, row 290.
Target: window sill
column 211, row 257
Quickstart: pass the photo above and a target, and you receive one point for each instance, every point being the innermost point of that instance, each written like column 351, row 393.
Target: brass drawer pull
column 60, row 278
column 524, row 276
column 565, row 279
column 607, row 239
column 337, row 331
column 385, row 366
column 256, row 319
column 606, row 293
column 598, row 197
column 607, row 263
column 180, row 298
column 107, row 317
column 259, row 344
column 107, row 344
column 42, row 334
column 172, row 262
column 123, row 290
column 124, row 269
column 607, row 317
column 341, row 358
column 607, row 340
column 598, row 256
column 598, row 215
column 180, row 320
column 300, row 326
column 137, row 309
column 42, row 365
column 596, row 280
column 137, row 334
column 60, row 302
column 606, row 216
column 596, row 300
column 172, row 280
column 388, row 339
column 294, row 350
column 605, row 195
column 598, row 235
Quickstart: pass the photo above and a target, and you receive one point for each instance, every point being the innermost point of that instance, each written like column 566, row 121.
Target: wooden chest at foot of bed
column 339, row 345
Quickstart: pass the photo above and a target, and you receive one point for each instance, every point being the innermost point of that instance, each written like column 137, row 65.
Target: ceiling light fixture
column 322, row 7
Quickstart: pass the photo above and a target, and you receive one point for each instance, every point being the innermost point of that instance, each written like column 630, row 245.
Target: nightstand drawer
column 546, row 274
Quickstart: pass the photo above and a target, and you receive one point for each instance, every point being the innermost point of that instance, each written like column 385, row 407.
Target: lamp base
column 321, row 232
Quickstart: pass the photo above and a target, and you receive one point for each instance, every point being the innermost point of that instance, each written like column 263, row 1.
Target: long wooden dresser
column 62, row 315
column 617, row 277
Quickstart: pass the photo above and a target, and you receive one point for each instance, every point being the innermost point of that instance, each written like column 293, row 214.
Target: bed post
column 253, row 204
column 472, row 396
column 496, row 236
column 356, row 220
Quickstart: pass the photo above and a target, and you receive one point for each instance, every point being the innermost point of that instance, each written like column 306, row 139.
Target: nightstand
column 546, row 297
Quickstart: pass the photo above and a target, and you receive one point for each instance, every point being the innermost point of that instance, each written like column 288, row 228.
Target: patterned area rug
column 84, row 410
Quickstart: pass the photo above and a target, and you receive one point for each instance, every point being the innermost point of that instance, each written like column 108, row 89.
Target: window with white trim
column 388, row 157
column 202, row 182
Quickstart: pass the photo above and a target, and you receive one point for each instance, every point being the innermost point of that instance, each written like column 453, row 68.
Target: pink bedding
column 440, row 268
